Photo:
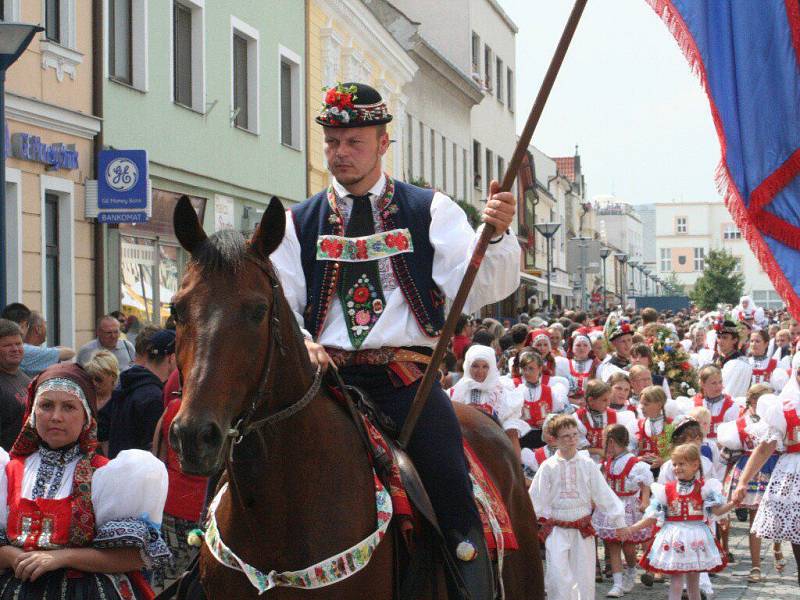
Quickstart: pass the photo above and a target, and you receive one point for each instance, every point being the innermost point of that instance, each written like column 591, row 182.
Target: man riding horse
column 366, row 266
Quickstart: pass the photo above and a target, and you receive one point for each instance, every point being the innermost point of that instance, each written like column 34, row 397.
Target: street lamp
column 622, row 258
column 635, row 265
column 646, row 272
column 605, row 251
column 548, row 230
column 14, row 38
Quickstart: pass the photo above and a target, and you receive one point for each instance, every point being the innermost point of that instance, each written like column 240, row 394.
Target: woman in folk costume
column 75, row 525
column 765, row 367
column 778, row 515
column 736, row 441
column 580, row 365
column 539, row 399
column 684, row 545
column 748, row 312
column 481, row 387
column 630, row 479
column 700, row 352
column 539, row 339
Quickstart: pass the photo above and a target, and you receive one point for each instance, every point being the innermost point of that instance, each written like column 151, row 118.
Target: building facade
column 50, row 129
column 621, row 230
column 215, row 93
column 687, row 231
column 348, row 42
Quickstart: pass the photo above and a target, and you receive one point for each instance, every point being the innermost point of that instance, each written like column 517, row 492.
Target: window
column 465, row 171
column 455, row 169
column 52, row 20
column 487, row 61
column 240, row 104
column 680, row 225
column 245, row 81
column 444, row 164
column 500, row 74
column 120, row 34
column 410, row 147
column 699, row 259
column 731, row 232
column 51, row 277
column 476, row 56
column 421, row 150
column 188, row 76
column 768, row 299
column 291, row 111
column 489, row 167
column 501, row 167
column 476, row 165
column 665, row 265
column 510, row 89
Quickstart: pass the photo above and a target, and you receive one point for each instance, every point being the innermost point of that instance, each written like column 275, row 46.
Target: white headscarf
column 467, row 383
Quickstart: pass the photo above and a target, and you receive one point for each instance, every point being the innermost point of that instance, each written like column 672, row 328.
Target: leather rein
column 246, row 424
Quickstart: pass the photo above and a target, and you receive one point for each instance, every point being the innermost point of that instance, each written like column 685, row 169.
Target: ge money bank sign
column 122, row 186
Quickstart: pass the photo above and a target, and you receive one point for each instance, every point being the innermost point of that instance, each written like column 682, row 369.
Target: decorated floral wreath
column 338, row 105
column 672, row 361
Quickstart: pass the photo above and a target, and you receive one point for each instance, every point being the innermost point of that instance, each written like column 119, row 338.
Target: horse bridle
column 245, row 425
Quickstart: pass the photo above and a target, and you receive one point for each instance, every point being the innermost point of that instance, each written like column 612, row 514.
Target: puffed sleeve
column 728, row 436
column 286, row 260
column 128, row 495
column 640, row 474
column 560, row 402
column 772, row 426
column 658, row 504
column 4, row 458
column 712, row 496
column 510, row 412
column 627, row 419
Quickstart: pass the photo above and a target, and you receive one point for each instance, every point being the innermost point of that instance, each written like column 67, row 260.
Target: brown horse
column 301, row 488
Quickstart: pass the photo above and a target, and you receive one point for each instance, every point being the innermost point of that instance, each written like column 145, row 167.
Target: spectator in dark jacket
column 130, row 417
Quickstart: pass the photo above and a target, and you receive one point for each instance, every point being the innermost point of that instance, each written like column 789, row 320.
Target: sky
column 625, row 95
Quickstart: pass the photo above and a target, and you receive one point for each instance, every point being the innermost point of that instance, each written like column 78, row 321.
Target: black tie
column 359, row 286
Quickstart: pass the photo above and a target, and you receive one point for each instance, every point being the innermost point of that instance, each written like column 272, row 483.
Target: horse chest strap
column 326, row 572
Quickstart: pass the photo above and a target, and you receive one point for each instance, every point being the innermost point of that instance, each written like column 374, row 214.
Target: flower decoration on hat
column 337, row 106
column 352, row 105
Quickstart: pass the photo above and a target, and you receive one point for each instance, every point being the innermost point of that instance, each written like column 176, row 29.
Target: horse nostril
column 174, row 436
column 211, row 435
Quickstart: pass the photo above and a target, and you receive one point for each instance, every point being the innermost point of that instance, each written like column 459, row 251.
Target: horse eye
column 176, row 313
column 259, row 312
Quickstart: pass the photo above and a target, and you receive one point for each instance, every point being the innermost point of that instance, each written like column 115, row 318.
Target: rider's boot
column 475, row 564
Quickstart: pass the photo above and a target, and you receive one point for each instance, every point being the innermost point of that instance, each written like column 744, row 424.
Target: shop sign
column 30, row 147
column 122, row 186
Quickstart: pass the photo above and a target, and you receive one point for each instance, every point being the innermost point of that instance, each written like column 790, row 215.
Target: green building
column 213, row 91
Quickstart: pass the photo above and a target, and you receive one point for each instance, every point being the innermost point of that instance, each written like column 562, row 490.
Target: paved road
column 731, row 584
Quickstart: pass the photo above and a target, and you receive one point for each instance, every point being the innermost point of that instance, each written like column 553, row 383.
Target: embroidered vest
column 41, row 524
column 580, row 377
column 763, row 375
column 617, row 482
column 594, row 435
column 535, row 412
column 727, row 402
column 409, row 208
column 684, row 508
column 648, row 444
column 745, row 438
column 792, row 442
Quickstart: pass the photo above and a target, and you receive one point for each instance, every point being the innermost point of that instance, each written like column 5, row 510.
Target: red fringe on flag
column 723, row 180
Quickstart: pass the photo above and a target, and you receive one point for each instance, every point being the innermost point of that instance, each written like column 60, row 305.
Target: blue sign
column 30, row 147
column 115, row 218
column 122, row 180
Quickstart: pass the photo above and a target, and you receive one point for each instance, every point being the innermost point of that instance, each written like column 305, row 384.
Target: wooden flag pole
column 488, row 231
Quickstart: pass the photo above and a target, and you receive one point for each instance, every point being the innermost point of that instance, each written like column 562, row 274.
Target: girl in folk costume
column 630, row 479
column 73, row 524
column 651, row 429
column 599, row 345
column 765, row 367
column 712, row 396
column 539, row 339
column 596, row 416
column 778, row 515
column 539, row 399
column 708, row 448
column 566, row 488
column 735, row 440
column 620, row 392
column 481, row 387
column 580, row 365
column 700, row 352
column 684, row 546
column 642, row 354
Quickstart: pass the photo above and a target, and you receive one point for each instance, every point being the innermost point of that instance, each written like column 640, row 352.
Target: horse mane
column 222, row 251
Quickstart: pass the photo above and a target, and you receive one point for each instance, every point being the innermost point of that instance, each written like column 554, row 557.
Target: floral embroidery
column 371, row 247
column 326, row 572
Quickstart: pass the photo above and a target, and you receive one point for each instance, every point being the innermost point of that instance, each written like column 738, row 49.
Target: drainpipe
column 97, row 109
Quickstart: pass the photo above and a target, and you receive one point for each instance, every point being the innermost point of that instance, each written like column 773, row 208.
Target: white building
column 621, row 227
column 687, row 231
column 647, row 213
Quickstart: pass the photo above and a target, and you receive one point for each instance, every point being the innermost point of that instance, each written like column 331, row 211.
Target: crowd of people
column 640, row 432
column 91, row 494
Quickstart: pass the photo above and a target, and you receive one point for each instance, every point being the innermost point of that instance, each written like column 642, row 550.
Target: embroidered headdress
column 352, row 105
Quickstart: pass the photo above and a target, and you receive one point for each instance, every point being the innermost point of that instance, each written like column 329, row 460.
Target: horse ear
column 187, row 226
column 271, row 229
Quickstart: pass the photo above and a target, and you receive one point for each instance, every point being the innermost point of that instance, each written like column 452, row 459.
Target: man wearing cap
column 621, row 338
column 736, row 368
column 130, row 417
column 367, row 266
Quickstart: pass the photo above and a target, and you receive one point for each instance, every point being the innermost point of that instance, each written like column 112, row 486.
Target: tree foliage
column 719, row 282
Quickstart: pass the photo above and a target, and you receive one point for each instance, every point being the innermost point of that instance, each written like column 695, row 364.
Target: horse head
column 222, row 311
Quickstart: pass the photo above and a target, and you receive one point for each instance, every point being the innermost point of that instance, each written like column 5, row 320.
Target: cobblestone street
column 731, row 584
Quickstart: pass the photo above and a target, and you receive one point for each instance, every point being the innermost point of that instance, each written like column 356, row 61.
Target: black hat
column 162, row 343
column 352, row 105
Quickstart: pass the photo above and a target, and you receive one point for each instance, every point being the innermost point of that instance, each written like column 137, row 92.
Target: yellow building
column 346, row 42
column 51, row 130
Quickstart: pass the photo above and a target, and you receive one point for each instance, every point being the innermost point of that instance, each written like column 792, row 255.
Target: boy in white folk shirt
column 564, row 490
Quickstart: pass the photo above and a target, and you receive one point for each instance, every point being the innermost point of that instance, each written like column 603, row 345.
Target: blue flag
column 747, row 55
